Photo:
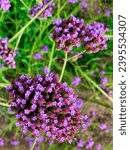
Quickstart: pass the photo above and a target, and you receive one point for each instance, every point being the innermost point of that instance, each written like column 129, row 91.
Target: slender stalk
column 24, row 4
column 58, row 13
column 51, row 57
column 90, row 80
column 4, row 104
column 63, row 6
column 71, row 58
column 18, row 41
column 64, row 65
column 30, row 22
column 34, row 143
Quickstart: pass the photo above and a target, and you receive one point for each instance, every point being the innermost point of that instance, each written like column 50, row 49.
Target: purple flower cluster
column 80, row 143
column 93, row 37
column 76, row 81
column 86, row 122
column 5, row 5
column 90, row 143
column 46, row 13
column 43, row 104
column 83, row 4
column 67, row 32
column 103, row 126
column 104, row 81
column 6, row 54
column 79, row 103
column 72, row 32
column 98, row 147
column 1, row 142
column 45, row 48
column 107, row 12
column 37, row 56
column 14, row 142
column 72, row 1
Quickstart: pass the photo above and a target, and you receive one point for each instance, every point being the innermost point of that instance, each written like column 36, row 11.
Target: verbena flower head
column 103, row 126
column 14, row 142
column 72, row 1
column 79, row 103
column 87, row 122
column 72, row 32
column 107, row 12
column 5, row 5
column 1, row 142
column 83, row 4
column 80, row 143
column 46, row 70
column 43, row 104
column 93, row 37
column 98, row 147
column 46, row 13
column 104, row 80
column 89, row 144
column 45, row 48
column 103, row 72
column 76, row 81
column 6, row 54
column 37, row 56
column 67, row 33
column 92, row 113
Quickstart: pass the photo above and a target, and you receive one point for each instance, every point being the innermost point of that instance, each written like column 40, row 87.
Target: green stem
column 51, row 57
column 64, row 65
column 63, row 6
column 90, row 80
column 4, row 104
column 34, row 143
column 30, row 22
column 76, row 56
column 18, row 41
column 58, row 13
column 24, row 4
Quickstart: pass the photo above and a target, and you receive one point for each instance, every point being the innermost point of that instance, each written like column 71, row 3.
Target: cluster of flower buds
column 6, row 54
column 72, row 32
column 67, row 33
column 46, row 13
column 43, row 104
column 93, row 37
column 5, row 5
